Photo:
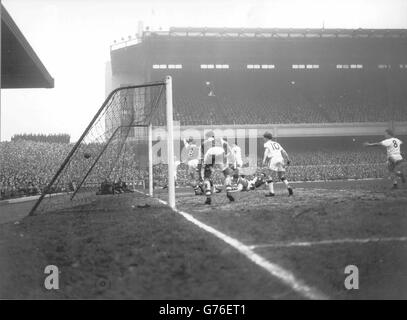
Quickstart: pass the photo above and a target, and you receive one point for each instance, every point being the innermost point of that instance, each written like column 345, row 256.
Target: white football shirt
column 392, row 146
column 273, row 149
column 237, row 155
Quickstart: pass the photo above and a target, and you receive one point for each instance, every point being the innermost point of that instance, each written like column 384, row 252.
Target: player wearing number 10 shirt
column 274, row 161
column 394, row 158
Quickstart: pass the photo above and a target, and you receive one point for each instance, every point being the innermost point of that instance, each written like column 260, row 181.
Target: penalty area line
column 326, row 242
column 280, row 273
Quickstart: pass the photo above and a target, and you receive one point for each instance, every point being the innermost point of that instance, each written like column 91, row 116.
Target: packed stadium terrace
column 288, row 98
column 28, row 166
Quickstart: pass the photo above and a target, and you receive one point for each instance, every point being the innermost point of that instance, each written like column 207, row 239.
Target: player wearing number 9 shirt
column 274, row 160
column 394, row 158
column 191, row 156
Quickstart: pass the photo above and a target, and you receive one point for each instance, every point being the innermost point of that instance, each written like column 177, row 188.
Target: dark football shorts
column 392, row 164
column 209, row 169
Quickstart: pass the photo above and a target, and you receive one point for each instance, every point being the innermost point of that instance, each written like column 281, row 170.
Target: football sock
column 228, row 182
column 271, row 187
column 285, row 182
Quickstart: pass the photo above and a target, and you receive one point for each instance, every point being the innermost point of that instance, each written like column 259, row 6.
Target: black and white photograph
column 203, row 154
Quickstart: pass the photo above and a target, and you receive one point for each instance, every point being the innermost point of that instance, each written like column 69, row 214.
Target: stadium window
column 345, row 66
column 156, row 66
column 295, row 66
column 222, row 66
column 267, row 66
column 163, row 66
column 359, row 66
column 210, row 66
column 338, row 66
column 353, row 66
column 301, row 66
column 175, row 66
column 204, row 66
column 256, row 66
column 312, row 66
column 225, row 66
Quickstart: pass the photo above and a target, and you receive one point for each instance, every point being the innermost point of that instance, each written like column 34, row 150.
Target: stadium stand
column 287, row 100
column 340, row 76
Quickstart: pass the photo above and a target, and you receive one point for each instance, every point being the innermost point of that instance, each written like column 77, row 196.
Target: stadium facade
column 296, row 82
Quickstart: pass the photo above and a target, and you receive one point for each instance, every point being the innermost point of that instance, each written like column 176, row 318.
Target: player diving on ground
column 241, row 182
column 273, row 159
column 394, row 157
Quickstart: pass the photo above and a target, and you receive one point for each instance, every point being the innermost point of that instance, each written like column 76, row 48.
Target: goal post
column 150, row 161
column 170, row 143
column 116, row 149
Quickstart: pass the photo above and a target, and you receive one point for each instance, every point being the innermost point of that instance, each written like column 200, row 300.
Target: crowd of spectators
column 26, row 167
column 286, row 100
column 52, row 138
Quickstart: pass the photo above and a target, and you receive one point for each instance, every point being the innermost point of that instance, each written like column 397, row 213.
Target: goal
column 115, row 154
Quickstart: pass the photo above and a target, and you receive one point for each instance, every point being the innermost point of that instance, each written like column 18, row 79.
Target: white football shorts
column 276, row 164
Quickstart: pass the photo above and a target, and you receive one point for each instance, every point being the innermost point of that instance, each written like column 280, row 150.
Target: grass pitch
column 114, row 249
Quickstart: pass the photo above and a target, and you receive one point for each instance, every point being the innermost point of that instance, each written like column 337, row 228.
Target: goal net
column 114, row 154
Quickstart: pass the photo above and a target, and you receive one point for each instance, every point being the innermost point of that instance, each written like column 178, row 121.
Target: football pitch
column 132, row 246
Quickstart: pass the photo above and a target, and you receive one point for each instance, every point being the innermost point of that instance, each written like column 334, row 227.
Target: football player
column 274, row 161
column 213, row 156
column 244, row 184
column 394, row 157
column 191, row 157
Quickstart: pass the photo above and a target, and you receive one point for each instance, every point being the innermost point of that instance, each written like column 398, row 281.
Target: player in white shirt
column 274, row 160
column 214, row 156
column 236, row 156
column 394, row 157
column 191, row 156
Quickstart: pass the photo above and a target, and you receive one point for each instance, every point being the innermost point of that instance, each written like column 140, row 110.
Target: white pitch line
column 337, row 180
column 325, row 242
column 284, row 275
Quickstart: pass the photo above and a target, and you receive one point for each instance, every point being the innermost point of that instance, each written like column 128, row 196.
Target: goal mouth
column 115, row 150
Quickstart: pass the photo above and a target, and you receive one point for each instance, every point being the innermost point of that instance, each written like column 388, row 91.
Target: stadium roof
column 281, row 33
column 259, row 34
column 20, row 65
